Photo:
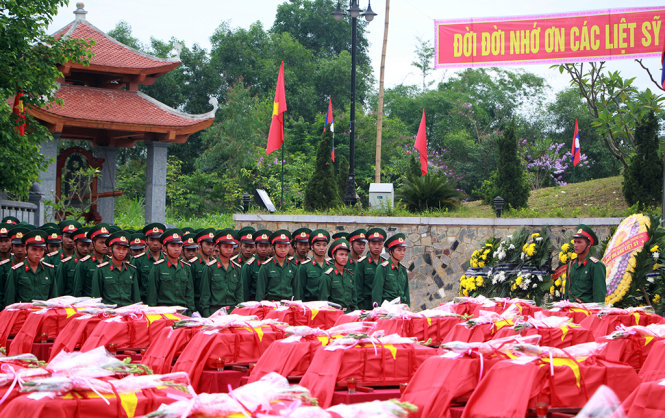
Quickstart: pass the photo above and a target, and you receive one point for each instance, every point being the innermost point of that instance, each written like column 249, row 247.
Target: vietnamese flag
column 20, row 113
column 576, row 155
column 276, row 135
column 329, row 121
column 421, row 145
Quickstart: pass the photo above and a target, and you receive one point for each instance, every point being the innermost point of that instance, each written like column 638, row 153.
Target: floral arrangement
column 508, row 250
column 566, row 254
column 484, row 256
column 537, row 250
column 471, row 285
column 530, row 285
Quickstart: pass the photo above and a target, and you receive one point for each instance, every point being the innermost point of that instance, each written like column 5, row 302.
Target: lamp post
column 498, row 205
column 354, row 11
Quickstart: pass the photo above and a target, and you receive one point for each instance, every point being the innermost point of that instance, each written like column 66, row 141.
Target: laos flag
column 576, row 155
column 329, row 121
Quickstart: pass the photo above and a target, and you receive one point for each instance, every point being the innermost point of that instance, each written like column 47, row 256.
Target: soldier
column 277, row 276
column 221, row 285
column 67, row 229
column 5, row 243
column 116, row 281
column 145, row 261
column 15, row 233
column 337, row 284
column 18, row 247
column 250, row 271
column 247, row 245
column 67, row 269
column 137, row 244
column 32, row 279
column 585, row 276
column 366, row 267
column 337, row 235
column 190, row 248
column 206, row 241
column 170, row 279
column 300, row 243
column 358, row 244
column 11, row 220
column 53, row 245
column 310, row 271
column 391, row 279
column 86, row 268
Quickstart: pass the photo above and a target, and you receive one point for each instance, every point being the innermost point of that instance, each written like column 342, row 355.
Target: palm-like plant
column 429, row 192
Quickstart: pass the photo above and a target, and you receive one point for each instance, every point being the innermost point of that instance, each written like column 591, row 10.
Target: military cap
column 207, row 234
column 319, row 235
column 35, row 237
column 246, row 235
column 49, row 225
column 52, row 235
column 99, row 231
column 397, row 240
column 17, row 233
column 154, row 230
column 338, row 244
column 281, row 236
column 189, row 241
column 226, row 236
column 301, row 235
column 81, row 234
column 171, row 236
column 583, row 231
column 137, row 241
column 114, row 228
column 344, row 235
column 262, row 236
column 10, row 220
column 118, row 238
column 358, row 234
column 376, row 234
column 69, row 226
column 187, row 230
column 4, row 230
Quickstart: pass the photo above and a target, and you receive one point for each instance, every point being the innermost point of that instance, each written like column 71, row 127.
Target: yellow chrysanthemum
column 552, row 290
column 565, row 247
column 535, row 235
column 481, row 264
column 563, row 258
column 572, row 256
column 656, row 298
column 479, row 281
column 654, row 249
column 513, row 287
column 557, row 282
column 518, row 280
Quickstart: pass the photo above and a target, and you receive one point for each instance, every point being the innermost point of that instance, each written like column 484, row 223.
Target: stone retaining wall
column 439, row 248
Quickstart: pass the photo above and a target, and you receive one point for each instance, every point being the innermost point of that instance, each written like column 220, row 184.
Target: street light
column 354, row 11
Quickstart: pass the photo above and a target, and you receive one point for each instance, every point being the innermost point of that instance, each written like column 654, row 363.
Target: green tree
column 432, row 191
column 322, row 190
column 511, row 183
column 643, row 180
column 424, row 59
column 28, row 63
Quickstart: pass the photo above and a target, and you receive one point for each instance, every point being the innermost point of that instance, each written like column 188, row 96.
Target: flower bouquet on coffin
column 607, row 319
column 15, row 371
column 483, row 327
column 388, row 309
column 452, row 376
column 316, row 314
column 573, row 310
column 559, row 332
column 466, row 305
column 260, row 309
column 371, row 361
column 292, row 356
column 558, row 378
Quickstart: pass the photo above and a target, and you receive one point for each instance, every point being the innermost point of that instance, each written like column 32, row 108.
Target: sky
column 195, row 22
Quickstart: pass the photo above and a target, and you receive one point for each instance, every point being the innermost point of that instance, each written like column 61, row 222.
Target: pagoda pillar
column 48, row 177
column 106, row 205
column 155, row 182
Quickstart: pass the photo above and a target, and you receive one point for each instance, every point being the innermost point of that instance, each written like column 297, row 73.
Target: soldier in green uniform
column 337, row 285
column 32, row 279
column 358, row 242
column 145, row 261
column 66, row 269
column 86, row 268
column 137, row 244
column 205, row 238
column 585, row 276
column 300, row 242
column 310, row 271
column 15, row 233
column 249, row 273
column 170, row 280
column 391, row 279
column 190, row 249
column 18, row 247
column 247, row 245
column 5, row 243
column 366, row 267
column 53, row 245
column 221, row 285
column 116, row 281
column 67, row 229
column 277, row 276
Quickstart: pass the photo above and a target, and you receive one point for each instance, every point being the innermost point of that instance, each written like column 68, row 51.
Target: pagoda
column 102, row 104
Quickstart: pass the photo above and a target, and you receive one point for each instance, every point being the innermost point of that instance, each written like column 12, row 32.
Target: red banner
column 571, row 37
column 629, row 245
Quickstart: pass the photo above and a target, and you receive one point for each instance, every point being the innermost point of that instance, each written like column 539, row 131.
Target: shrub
column 429, row 192
column 643, row 180
column 322, row 190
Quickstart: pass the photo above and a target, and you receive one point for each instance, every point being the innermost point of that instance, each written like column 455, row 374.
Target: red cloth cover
column 632, row 350
column 606, row 324
column 167, row 347
column 287, row 358
column 260, row 311
column 653, row 368
column 477, row 333
column 11, row 321
column 50, row 321
column 420, row 328
column 234, row 345
column 648, row 400
column 130, row 331
column 302, row 315
column 74, row 334
column 391, row 365
column 576, row 314
column 559, row 337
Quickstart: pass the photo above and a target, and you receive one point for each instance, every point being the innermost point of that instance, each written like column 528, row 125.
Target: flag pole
column 281, row 202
